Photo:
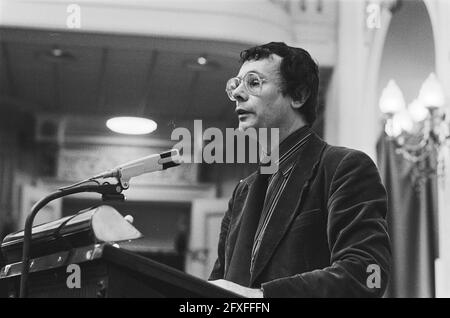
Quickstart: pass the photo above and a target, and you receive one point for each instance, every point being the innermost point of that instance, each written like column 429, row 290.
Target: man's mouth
column 241, row 112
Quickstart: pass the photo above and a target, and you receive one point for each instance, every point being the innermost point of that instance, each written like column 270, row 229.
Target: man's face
column 268, row 109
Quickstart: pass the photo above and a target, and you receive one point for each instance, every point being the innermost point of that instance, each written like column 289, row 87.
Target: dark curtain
column 412, row 216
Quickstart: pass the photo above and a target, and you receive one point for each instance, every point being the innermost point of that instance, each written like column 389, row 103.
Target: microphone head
column 171, row 159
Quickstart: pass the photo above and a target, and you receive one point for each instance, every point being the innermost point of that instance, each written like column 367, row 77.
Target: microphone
column 148, row 164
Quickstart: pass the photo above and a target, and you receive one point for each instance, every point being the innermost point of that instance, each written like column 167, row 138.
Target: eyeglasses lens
column 252, row 84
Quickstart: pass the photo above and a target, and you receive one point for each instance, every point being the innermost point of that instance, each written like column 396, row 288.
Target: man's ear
column 302, row 100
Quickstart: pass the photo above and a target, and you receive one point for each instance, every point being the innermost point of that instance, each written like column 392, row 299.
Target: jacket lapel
column 289, row 202
column 239, row 206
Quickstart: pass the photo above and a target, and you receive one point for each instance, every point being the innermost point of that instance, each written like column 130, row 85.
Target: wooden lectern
column 105, row 271
column 78, row 245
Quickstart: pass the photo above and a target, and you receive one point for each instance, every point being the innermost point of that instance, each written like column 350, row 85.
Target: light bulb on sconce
column 432, row 93
column 417, row 110
column 392, row 100
column 403, row 121
column 419, row 131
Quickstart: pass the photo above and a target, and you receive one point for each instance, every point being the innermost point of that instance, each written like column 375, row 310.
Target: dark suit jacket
column 327, row 228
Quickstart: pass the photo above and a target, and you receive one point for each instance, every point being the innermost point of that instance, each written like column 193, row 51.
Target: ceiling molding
column 213, row 20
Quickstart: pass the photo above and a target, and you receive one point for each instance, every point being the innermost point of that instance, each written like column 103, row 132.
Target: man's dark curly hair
column 299, row 73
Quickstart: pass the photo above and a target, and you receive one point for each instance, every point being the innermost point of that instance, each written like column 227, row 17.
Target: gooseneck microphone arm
column 152, row 163
column 122, row 173
column 105, row 189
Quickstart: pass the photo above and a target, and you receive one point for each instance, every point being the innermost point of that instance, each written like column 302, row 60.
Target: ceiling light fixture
column 57, row 52
column 131, row 125
column 202, row 60
column 55, row 55
column 201, row 64
column 421, row 131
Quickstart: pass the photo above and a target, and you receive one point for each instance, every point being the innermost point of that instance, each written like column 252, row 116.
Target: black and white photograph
column 224, row 149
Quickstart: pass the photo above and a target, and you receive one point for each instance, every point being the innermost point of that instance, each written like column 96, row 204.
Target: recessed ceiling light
column 57, row 52
column 201, row 64
column 202, row 60
column 55, row 55
column 131, row 125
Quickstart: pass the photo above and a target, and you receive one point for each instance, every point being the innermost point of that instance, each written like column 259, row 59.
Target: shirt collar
column 291, row 141
column 289, row 145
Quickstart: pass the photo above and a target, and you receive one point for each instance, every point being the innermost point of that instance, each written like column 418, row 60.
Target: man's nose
column 240, row 94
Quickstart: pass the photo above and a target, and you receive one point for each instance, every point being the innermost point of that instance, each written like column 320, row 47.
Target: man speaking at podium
column 316, row 227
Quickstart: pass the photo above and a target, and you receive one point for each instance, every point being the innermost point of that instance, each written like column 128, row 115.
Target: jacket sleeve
column 218, row 271
column 357, row 238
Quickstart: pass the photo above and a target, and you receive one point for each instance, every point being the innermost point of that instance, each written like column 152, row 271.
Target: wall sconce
column 420, row 130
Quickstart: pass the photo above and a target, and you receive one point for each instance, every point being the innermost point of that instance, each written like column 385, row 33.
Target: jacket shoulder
column 335, row 157
column 337, row 154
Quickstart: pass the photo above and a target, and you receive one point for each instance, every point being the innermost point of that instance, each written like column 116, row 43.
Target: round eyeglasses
column 252, row 83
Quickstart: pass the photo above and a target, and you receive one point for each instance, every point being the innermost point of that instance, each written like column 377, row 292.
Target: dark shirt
column 288, row 149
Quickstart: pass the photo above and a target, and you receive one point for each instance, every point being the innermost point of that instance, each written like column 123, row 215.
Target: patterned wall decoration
column 79, row 163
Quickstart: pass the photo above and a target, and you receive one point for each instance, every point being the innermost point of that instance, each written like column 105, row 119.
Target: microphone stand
column 108, row 191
